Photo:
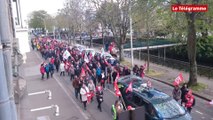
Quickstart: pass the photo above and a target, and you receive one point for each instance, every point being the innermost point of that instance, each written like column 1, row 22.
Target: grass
column 126, row 63
column 151, row 72
column 198, row 87
column 154, row 73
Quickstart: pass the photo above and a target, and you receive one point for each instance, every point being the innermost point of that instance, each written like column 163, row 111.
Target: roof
column 138, row 85
column 137, row 81
column 154, row 95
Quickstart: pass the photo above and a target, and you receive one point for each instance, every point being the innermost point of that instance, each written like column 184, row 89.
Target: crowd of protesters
column 90, row 77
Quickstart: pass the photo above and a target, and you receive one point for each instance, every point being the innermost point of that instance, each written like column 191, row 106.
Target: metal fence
column 172, row 63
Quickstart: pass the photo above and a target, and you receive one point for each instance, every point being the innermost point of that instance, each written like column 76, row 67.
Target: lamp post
column 131, row 43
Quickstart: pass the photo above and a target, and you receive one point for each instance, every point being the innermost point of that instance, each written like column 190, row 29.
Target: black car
column 158, row 105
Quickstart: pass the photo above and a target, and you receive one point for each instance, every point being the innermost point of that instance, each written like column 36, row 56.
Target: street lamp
column 131, row 44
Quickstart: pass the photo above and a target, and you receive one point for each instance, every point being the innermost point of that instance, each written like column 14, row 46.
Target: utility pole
column 131, row 44
column 7, row 104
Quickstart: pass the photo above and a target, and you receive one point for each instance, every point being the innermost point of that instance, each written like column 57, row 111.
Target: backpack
column 98, row 71
column 47, row 68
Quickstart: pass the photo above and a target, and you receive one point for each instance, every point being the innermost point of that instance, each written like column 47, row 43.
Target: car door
column 150, row 112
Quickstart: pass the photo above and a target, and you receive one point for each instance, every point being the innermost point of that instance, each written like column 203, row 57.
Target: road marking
column 111, row 91
column 84, row 115
column 203, row 117
column 212, row 118
column 199, row 112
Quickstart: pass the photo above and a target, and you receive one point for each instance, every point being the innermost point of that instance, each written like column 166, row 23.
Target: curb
column 167, row 83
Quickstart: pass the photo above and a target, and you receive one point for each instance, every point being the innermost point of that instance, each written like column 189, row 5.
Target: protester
column 42, row 71
column 91, row 87
column 116, row 109
column 103, row 80
column 72, row 72
column 51, row 65
column 84, row 92
column 135, row 70
column 62, row 68
column 98, row 73
column 76, row 85
column 99, row 96
column 141, row 71
column 190, row 101
column 184, row 91
column 176, row 93
column 57, row 63
column 47, row 70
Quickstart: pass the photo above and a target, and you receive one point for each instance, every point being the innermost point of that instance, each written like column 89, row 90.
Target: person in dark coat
column 57, row 63
column 99, row 96
column 184, row 91
column 51, row 69
column 114, row 74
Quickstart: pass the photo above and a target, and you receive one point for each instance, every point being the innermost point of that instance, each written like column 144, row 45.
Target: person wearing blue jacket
column 47, row 70
column 98, row 73
column 51, row 69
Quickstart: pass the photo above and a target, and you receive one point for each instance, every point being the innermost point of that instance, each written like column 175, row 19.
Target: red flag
column 117, row 77
column 129, row 87
column 89, row 97
column 82, row 72
column 117, row 91
column 178, row 80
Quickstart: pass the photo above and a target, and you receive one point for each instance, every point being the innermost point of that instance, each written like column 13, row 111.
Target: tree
column 115, row 16
column 90, row 23
column 40, row 19
column 73, row 16
column 148, row 17
column 192, row 20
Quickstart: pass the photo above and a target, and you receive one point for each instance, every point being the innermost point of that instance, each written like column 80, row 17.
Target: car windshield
column 169, row 109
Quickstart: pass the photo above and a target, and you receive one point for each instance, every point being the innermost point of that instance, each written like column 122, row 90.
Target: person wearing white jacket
column 62, row 68
column 84, row 92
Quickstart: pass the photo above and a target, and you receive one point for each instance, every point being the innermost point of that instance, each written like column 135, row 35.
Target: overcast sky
column 51, row 6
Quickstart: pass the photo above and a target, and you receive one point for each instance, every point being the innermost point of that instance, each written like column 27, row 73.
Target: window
column 138, row 100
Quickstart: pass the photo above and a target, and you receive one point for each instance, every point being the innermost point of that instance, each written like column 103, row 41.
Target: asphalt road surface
column 201, row 111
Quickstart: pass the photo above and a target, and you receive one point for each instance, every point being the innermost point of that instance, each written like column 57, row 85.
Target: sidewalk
column 168, row 75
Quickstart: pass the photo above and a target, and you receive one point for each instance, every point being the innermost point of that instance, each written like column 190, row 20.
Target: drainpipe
column 5, row 108
column 6, row 92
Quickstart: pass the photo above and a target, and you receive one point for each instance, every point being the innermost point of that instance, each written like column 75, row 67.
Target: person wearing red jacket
column 190, row 101
column 42, row 71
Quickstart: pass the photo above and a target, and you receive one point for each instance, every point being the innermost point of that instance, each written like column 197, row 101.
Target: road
column 65, row 97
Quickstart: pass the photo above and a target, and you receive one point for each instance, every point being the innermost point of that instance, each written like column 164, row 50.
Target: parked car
column 158, row 105
column 107, row 56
